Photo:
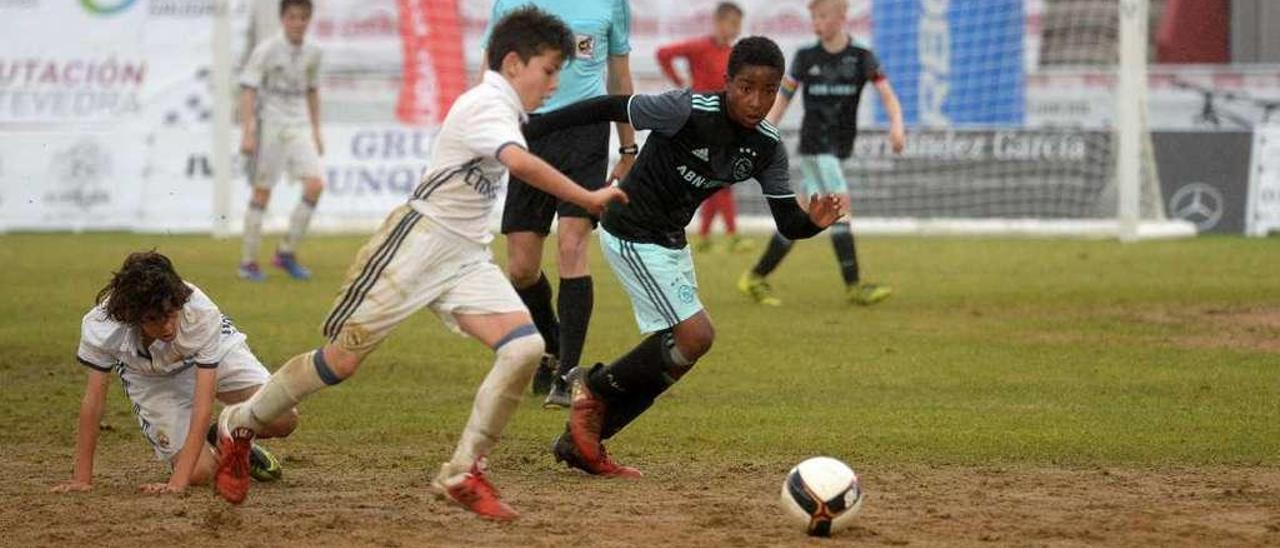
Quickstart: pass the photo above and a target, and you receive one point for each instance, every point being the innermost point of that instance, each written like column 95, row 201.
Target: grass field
column 1021, row 392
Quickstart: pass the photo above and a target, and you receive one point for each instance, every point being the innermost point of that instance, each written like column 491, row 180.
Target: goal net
column 992, row 146
column 997, row 141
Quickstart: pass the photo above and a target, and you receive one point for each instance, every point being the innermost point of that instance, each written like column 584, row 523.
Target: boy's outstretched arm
column 619, row 82
column 91, row 408
column 893, row 109
column 785, row 92
column 605, row 108
column 201, row 412
column 665, row 113
column 797, row 224
column 541, row 175
column 669, row 53
column 248, row 120
column 793, row 222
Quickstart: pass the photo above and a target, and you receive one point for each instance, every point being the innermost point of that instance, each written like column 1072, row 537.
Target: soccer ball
column 822, row 494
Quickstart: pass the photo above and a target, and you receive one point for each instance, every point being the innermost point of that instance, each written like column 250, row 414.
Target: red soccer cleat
column 232, row 478
column 565, row 452
column 586, row 417
column 606, row 467
column 475, row 493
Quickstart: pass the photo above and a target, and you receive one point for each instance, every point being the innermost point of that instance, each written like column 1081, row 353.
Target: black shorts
column 582, row 154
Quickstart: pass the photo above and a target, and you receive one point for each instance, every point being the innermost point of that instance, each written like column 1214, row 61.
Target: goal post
column 222, row 112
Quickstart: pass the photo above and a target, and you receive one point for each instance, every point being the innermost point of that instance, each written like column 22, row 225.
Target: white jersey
column 204, row 338
column 283, row 74
column 460, row 190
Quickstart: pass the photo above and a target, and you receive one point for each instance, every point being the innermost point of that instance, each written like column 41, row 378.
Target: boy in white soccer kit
column 433, row 252
column 175, row 352
column 280, row 134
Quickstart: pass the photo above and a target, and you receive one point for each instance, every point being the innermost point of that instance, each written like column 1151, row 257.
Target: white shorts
column 411, row 263
column 283, row 148
column 162, row 403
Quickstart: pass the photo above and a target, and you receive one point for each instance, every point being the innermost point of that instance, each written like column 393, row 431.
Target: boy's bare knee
column 341, row 361
column 695, row 339
column 313, row 189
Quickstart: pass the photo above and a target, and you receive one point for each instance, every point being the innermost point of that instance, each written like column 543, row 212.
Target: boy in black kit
column 833, row 73
column 700, row 143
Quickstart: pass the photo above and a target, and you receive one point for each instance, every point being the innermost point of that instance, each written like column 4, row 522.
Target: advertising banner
column 1205, row 177
column 953, row 62
column 113, row 130
column 70, row 181
column 1264, row 185
column 368, row 169
column 433, row 74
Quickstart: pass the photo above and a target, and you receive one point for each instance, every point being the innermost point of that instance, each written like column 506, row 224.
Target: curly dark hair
column 756, row 51
column 528, row 31
column 145, row 288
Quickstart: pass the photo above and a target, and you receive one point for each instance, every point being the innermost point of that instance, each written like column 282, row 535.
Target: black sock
column 575, row 303
column 777, row 250
column 846, row 254
column 638, row 372
column 631, row 384
column 623, row 413
column 537, row 298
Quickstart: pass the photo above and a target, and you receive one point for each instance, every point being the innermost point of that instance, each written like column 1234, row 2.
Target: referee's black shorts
column 582, row 154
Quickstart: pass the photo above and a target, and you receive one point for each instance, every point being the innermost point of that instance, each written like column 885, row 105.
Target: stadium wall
column 112, row 130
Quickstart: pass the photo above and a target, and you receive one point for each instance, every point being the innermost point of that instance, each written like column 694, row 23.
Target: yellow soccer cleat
column 738, row 244
column 758, row 289
column 866, row 294
column 263, row 465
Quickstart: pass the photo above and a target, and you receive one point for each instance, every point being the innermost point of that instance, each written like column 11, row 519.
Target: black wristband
column 632, row 149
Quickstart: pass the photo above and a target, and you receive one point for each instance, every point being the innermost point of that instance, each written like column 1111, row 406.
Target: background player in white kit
column 434, row 252
column 280, row 133
column 175, row 352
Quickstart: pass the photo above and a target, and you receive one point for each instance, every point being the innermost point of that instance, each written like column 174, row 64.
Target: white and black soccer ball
column 822, row 494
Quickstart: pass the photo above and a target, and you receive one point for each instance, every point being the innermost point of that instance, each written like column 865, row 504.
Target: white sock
column 298, row 378
column 252, row 233
column 298, row 223
column 497, row 399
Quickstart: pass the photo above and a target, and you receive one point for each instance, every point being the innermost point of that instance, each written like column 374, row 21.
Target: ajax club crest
column 744, row 163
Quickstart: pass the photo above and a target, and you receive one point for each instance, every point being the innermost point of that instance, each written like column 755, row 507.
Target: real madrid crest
column 744, row 163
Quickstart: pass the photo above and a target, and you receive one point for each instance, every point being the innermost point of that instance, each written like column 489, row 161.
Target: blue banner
column 953, row 62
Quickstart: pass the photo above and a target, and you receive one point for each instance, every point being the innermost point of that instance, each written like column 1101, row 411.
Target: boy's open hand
column 825, row 210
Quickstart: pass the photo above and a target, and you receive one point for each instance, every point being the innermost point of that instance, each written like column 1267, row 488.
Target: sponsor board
column 1204, row 177
column 57, row 181
column 1264, row 187
column 368, row 171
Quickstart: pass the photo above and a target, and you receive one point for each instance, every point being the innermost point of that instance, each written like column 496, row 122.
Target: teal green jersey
column 600, row 29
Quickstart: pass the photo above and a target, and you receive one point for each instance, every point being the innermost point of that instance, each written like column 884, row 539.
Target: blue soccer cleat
column 251, row 272
column 288, row 262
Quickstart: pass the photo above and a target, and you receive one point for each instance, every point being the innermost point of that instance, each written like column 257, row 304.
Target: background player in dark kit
column 833, row 73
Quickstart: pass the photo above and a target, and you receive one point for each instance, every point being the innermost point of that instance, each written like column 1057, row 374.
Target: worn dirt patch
column 325, row 500
column 1238, row 328
column 1248, row 328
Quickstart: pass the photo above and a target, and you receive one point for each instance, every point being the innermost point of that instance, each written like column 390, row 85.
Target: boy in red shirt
column 708, row 59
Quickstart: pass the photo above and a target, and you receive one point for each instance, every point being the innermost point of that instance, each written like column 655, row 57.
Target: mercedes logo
column 1198, row 203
